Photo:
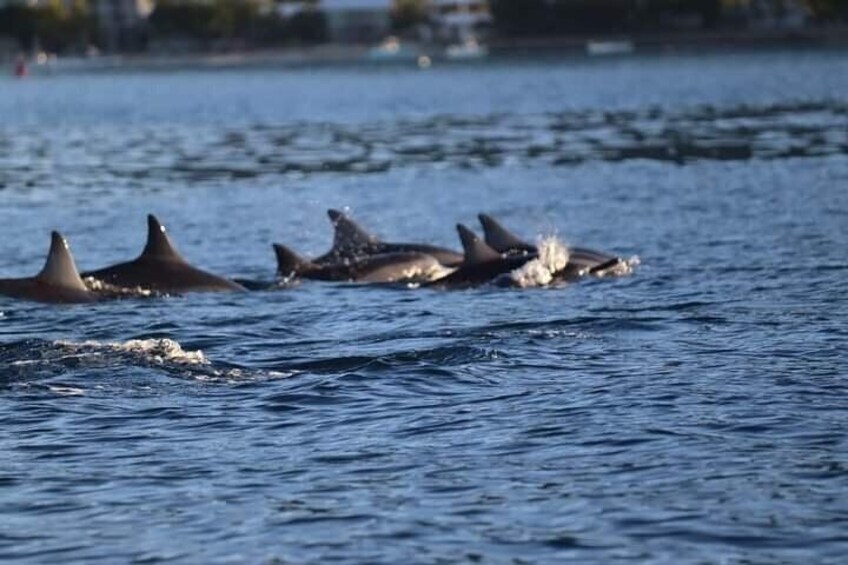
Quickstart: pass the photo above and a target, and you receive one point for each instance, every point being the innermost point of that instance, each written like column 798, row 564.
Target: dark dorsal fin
column 348, row 234
column 288, row 262
column 476, row 250
column 500, row 239
column 60, row 270
column 158, row 243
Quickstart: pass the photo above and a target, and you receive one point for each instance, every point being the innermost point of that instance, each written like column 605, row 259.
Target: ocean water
column 695, row 411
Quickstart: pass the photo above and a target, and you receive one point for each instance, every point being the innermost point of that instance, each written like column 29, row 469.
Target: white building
column 457, row 20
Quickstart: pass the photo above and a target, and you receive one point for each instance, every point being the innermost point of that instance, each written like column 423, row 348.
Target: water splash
column 553, row 257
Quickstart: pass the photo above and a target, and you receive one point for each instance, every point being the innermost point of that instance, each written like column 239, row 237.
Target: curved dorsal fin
column 476, row 250
column 158, row 243
column 348, row 234
column 60, row 269
column 288, row 262
column 501, row 239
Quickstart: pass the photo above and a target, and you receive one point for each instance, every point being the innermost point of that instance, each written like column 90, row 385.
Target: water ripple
column 161, row 155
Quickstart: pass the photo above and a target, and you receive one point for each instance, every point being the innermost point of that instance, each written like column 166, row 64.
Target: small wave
column 66, row 390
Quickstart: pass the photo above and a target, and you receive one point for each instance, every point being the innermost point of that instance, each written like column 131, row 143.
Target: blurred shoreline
column 545, row 48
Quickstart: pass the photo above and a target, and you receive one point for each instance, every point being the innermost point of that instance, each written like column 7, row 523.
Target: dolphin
column 399, row 267
column 160, row 268
column 501, row 240
column 481, row 264
column 581, row 261
column 350, row 241
column 59, row 282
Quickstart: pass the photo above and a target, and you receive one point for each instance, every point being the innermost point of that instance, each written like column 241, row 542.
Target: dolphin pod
column 356, row 255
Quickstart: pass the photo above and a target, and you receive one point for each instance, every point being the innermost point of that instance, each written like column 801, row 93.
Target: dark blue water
column 694, row 411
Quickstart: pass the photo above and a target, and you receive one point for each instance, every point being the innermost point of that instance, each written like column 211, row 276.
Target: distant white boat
column 600, row 48
column 391, row 49
column 468, row 49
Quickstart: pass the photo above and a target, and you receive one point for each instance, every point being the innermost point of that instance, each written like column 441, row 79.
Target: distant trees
column 828, row 10
column 306, row 26
column 654, row 13
column 534, row 17
column 407, row 14
column 176, row 17
column 242, row 20
column 54, row 26
column 521, row 17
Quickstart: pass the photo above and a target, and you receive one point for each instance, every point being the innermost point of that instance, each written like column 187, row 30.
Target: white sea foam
column 162, row 351
column 553, row 257
column 112, row 291
column 157, row 351
column 66, row 390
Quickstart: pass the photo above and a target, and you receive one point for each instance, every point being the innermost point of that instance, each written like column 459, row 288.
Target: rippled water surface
column 694, row 411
